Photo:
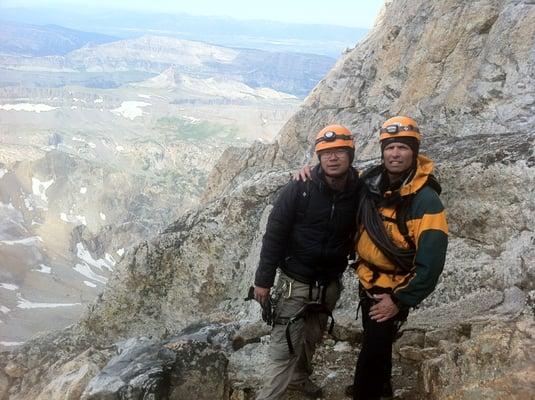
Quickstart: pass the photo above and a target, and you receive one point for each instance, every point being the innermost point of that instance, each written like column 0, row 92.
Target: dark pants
column 374, row 365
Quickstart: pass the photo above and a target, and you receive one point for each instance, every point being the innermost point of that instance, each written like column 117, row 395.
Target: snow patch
column 130, row 109
column 191, row 120
column 90, row 284
column 8, row 344
column 109, row 258
column 2, row 172
column 49, row 148
column 28, row 204
column 86, row 271
column 144, row 96
column 103, row 216
column 29, row 241
column 90, row 144
column 73, row 219
column 38, row 108
column 85, row 255
column 44, row 269
column 8, row 286
column 83, row 190
column 120, row 252
column 4, row 309
column 9, row 206
column 73, row 107
column 27, row 304
column 39, row 188
column 119, row 148
column 96, row 101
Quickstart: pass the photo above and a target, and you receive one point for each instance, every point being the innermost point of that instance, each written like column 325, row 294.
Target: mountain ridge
column 294, row 73
column 44, row 40
column 329, row 40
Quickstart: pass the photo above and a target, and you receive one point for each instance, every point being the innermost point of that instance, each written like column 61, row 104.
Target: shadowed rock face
column 465, row 71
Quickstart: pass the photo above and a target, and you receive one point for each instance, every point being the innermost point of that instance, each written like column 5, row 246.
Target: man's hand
column 385, row 309
column 303, row 174
column 261, row 294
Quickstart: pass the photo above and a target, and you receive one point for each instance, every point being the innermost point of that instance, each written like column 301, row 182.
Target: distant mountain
column 35, row 40
column 209, row 89
column 294, row 73
column 328, row 40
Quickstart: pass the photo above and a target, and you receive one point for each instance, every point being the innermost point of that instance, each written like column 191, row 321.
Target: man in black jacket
column 309, row 236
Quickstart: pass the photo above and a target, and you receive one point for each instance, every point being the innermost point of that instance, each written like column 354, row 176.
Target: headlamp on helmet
column 335, row 137
column 393, row 129
column 399, row 126
column 331, row 136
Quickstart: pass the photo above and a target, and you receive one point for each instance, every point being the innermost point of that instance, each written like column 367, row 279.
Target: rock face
column 465, row 71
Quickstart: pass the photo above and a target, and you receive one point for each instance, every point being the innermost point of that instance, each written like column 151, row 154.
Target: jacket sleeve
column 277, row 236
column 431, row 234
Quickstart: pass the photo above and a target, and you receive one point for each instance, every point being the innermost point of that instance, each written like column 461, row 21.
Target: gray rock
column 495, row 363
column 200, row 372
column 140, row 370
column 4, row 385
column 173, row 369
column 14, row 370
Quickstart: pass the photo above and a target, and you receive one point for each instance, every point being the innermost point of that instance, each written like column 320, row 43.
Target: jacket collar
column 374, row 178
column 318, row 177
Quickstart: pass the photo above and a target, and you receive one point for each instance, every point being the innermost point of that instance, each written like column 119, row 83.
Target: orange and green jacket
column 428, row 229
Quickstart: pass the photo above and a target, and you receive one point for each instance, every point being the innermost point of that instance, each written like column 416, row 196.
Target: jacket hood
column 424, row 168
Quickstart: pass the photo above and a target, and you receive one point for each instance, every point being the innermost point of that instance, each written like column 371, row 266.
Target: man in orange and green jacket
column 401, row 247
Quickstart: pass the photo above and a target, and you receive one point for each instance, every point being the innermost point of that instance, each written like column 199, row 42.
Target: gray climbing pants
column 284, row 368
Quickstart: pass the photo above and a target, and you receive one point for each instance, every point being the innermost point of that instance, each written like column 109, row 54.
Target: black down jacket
column 310, row 231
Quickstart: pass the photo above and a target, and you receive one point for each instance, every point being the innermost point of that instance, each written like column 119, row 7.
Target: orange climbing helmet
column 333, row 136
column 399, row 126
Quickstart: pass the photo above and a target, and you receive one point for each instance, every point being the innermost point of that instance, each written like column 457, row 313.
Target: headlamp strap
column 331, row 137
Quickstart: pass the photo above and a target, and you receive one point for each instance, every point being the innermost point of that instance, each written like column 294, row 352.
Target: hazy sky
column 356, row 13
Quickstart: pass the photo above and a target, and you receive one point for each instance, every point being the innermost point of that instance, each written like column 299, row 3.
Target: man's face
column 334, row 162
column 397, row 157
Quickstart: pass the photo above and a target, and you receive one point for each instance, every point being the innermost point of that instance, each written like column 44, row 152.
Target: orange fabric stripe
column 428, row 222
column 365, row 275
